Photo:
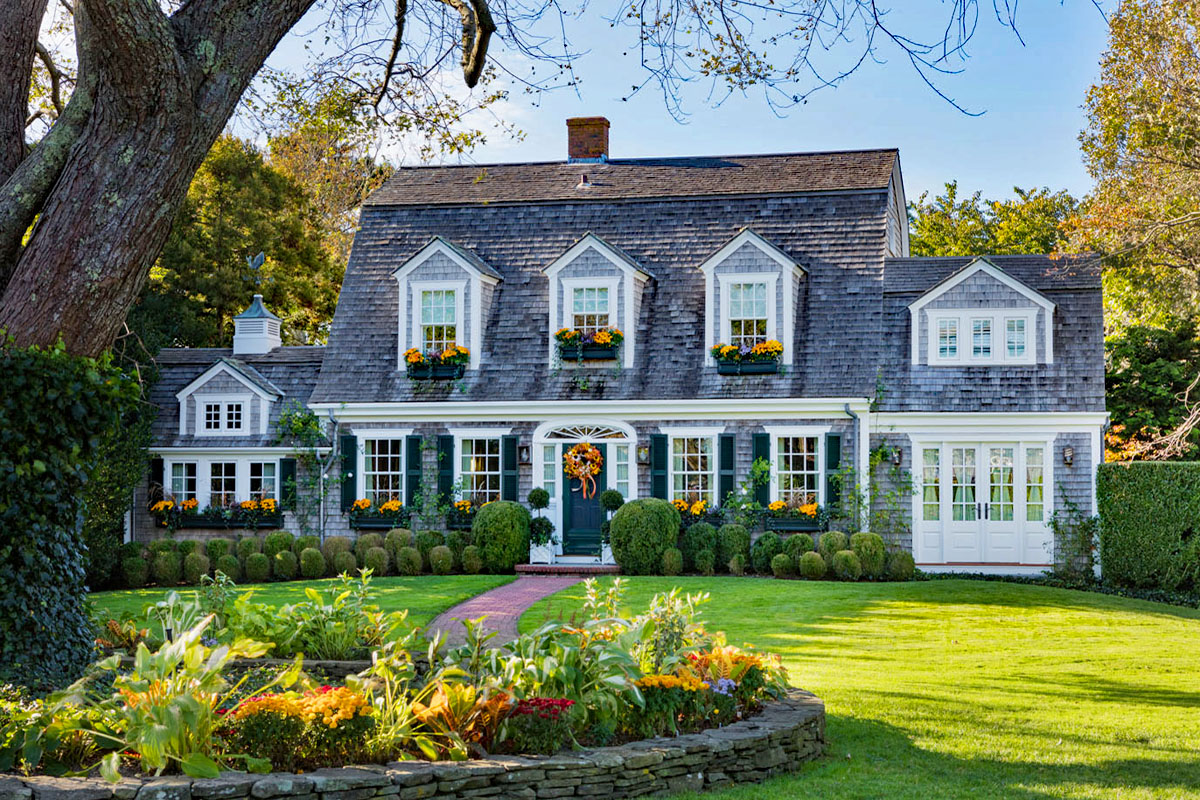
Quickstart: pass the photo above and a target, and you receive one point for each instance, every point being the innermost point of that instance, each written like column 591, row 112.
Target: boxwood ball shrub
column 286, row 565
column 737, row 565
column 167, row 568
column 832, row 542
column 408, row 561
column 395, row 539
column 365, row 542
column 376, row 560
column 765, row 548
column 229, row 565
column 441, row 560
column 732, row 540
column 811, row 566
column 782, row 566
column 611, row 500
column 457, row 541
column 472, row 560
column 276, row 542
column 871, row 552
column 672, row 561
column 538, row 498
column 136, row 571
column 302, row 543
column 706, row 562
column 641, row 531
column 162, row 546
column 185, row 547
column 797, row 545
column 901, row 566
column 344, row 563
column 195, row 567
column 426, row 541
column 501, row 532
column 846, row 566
column 332, row 546
column 312, row 564
column 215, row 548
column 248, row 546
column 258, row 567
column 701, row 536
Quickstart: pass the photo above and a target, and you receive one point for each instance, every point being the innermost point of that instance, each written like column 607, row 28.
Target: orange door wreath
column 583, row 463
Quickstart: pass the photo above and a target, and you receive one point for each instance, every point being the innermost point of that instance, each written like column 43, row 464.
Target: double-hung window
column 978, row 337
column 383, row 470
column 263, row 482
column 748, row 317
column 218, row 416
column 222, row 487
column 981, row 338
column 947, row 339
column 1014, row 332
column 798, row 469
column 590, row 308
column 438, row 319
column 480, row 469
column 183, row 481
column 693, row 469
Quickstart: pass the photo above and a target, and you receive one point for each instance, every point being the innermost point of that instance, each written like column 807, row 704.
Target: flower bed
column 251, row 514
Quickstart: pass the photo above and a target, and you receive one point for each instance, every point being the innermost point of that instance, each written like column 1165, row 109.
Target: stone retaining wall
column 784, row 736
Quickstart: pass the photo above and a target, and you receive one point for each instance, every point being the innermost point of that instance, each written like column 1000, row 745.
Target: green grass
column 425, row 596
column 969, row 689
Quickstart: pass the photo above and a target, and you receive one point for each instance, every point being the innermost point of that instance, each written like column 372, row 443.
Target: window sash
column 981, row 337
column 931, row 488
column 1035, row 484
column 263, row 479
column 693, row 469
column 798, row 470
column 748, row 313
column 222, row 487
column 948, row 338
column 480, row 470
column 383, row 470
column 439, row 322
column 183, row 481
column 590, row 308
column 1015, row 337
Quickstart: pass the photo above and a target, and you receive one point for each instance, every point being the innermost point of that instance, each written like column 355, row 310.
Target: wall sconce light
column 897, row 456
column 524, row 454
column 1068, row 455
column 643, row 454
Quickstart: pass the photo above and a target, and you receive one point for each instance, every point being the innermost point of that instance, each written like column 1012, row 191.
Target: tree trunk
column 19, row 22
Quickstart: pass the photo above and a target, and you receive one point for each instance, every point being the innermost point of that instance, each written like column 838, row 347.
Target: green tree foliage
column 239, row 205
column 949, row 225
column 120, row 464
column 1149, row 372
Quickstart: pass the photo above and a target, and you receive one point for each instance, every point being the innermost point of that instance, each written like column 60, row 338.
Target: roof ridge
column 635, row 159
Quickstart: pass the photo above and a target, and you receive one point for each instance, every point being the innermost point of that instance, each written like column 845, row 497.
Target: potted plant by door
column 598, row 345
column 761, row 359
column 610, row 501
column 542, row 540
column 449, row 364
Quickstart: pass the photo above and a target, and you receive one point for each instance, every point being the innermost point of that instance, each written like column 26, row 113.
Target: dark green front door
column 582, row 518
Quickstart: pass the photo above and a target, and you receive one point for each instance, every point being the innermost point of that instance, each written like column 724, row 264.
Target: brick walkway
column 503, row 606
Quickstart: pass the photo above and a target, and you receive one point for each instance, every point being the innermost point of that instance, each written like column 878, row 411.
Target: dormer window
column 221, row 416
column 748, row 313
column 590, row 308
column 980, row 343
column 439, row 319
column 230, row 398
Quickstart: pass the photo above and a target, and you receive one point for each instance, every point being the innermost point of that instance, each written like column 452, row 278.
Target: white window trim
column 700, row 432
column 776, row 432
column 264, row 398
column 360, row 463
column 771, row 279
column 225, row 400
column 460, row 290
column 999, row 318
column 476, row 433
column 569, row 285
column 204, row 473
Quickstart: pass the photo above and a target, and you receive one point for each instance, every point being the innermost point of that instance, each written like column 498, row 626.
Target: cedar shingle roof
column 1043, row 273
column 633, row 178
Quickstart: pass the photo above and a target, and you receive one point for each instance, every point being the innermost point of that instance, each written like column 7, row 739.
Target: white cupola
column 255, row 330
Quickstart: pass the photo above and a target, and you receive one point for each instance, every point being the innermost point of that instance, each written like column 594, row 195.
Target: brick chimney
column 587, row 140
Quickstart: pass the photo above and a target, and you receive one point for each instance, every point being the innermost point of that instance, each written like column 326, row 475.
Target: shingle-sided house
column 981, row 379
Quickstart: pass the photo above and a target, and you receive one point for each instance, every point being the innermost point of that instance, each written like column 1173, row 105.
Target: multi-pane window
column 183, row 481
column 622, row 469
column 480, row 470
column 931, row 489
column 383, row 470
column 692, row 468
column 223, row 415
column 550, row 469
column 798, row 469
column 439, row 323
column 589, row 308
column 1015, row 337
column 1000, row 483
column 962, row 488
column 981, row 337
column 212, row 416
column 947, row 338
column 233, row 416
column 747, row 314
column 222, row 487
column 1035, row 480
column 263, row 481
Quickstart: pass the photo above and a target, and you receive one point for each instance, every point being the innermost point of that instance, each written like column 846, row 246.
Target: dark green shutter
column 726, row 459
column 156, row 480
column 658, row 465
column 412, row 469
column 348, row 443
column 446, row 466
column 762, row 449
column 833, row 462
column 287, row 483
column 509, row 477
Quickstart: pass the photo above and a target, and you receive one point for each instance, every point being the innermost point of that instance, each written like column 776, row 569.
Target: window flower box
column 252, row 514
column 384, row 517
column 761, row 359
column 699, row 511
column 460, row 516
column 806, row 517
column 792, row 524
column 450, row 364
column 600, row 345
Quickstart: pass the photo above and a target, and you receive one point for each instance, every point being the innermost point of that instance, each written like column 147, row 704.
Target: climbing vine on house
column 315, row 460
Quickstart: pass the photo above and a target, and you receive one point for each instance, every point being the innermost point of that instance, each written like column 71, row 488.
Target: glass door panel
column 1000, row 484
column 963, row 461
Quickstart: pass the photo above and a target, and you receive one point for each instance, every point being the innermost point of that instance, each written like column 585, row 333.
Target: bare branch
column 477, row 30
column 397, row 42
column 56, row 77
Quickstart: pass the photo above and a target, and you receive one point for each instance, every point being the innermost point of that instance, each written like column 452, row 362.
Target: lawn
column 969, row 689
column 425, row 596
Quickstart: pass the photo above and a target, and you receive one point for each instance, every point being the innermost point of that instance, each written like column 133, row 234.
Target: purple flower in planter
column 725, row 686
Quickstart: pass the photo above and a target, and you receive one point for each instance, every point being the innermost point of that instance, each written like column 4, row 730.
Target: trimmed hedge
column 135, row 571
column 1149, row 511
column 344, row 562
column 501, row 532
column 376, row 560
column 441, row 560
column 701, row 536
column 765, row 548
column 303, row 543
column 901, row 566
column 737, row 565
column 846, row 566
column 797, row 545
column 812, row 566
column 312, row 563
column 458, row 541
column 230, row 565
column 258, row 568
column 672, row 561
column 732, row 540
column 248, row 546
column 215, row 548
column 641, row 531
column 167, row 568
column 706, row 562
column 472, row 561
column 195, row 567
column 286, row 565
column 408, row 561
column 782, row 566
column 871, row 552
column 425, row 541
column 832, row 542
column 364, row 543
column 276, row 542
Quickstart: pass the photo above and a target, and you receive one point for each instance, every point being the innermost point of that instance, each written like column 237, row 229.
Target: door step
column 587, row 570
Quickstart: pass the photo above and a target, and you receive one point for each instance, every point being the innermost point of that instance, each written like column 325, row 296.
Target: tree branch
column 19, row 22
column 477, row 30
column 56, row 76
column 134, row 47
column 397, row 42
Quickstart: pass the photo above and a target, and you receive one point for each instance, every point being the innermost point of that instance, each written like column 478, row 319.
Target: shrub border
column 788, row 733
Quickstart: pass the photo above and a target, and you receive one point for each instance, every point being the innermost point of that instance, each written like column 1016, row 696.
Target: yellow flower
column 267, row 504
column 778, row 505
column 602, row 337
column 362, row 504
column 463, row 505
column 767, row 348
column 413, row 356
column 191, row 504
column 699, row 507
column 686, row 683
column 680, row 504
column 162, row 506
column 391, row 506
column 809, row 509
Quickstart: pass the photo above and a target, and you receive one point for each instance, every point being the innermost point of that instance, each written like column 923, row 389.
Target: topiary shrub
column 286, row 565
column 538, row 499
column 782, row 566
column 229, row 565
column 797, row 545
column 376, row 559
column 811, row 566
column 672, row 561
column 871, row 553
column 276, row 542
column 706, row 562
column 332, row 546
column 312, row 564
column 501, row 532
column 167, row 568
column 344, row 563
column 365, row 542
column 215, row 548
column 248, row 546
column 425, row 541
column 901, row 566
column 302, row 543
column 472, row 560
column 641, row 531
column 441, row 560
column 541, row 531
column 846, row 566
column 732, row 540
column 458, row 541
column 611, row 500
column 832, row 542
column 161, row 546
column 737, row 565
column 408, row 561
column 693, row 539
column 765, row 548
column 185, row 547
column 195, row 567
column 135, row 570
column 258, row 568
column 395, row 539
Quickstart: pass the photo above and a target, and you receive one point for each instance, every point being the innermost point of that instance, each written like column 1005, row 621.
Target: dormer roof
column 985, row 266
column 459, row 255
column 610, row 251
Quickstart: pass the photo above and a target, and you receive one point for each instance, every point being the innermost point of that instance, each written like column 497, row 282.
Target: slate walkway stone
column 503, row 606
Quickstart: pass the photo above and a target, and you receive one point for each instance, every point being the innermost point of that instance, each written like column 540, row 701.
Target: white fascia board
column 439, row 246
column 221, row 366
column 228, row 451
column 935, row 424
column 592, row 240
column 786, row 262
column 981, row 264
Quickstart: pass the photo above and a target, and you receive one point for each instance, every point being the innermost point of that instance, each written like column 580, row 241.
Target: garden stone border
column 786, row 734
